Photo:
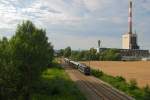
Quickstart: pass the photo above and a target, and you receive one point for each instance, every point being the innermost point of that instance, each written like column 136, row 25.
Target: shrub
column 146, row 93
column 133, row 84
column 120, row 83
column 120, row 78
column 137, row 94
column 97, row 73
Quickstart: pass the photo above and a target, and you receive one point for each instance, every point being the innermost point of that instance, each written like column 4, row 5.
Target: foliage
column 56, row 85
column 146, row 93
column 7, row 74
column 110, row 54
column 22, row 60
column 80, row 55
column 97, row 73
column 133, row 84
column 119, row 78
column 120, row 83
column 93, row 55
column 84, row 55
column 60, row 53
column 67, row 52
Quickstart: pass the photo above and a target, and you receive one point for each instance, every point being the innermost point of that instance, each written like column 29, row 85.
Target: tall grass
column 56, row 85
column 120, row 83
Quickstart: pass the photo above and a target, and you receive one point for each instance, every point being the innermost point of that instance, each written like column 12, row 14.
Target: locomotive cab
column 87, row 71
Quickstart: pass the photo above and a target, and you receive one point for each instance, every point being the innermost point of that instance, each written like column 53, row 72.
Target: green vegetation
column 26, row 71
column 22, row 60
column 84, row 55
column 67, row 52
column 120, row 83
column 110, row 55
column 56, row 85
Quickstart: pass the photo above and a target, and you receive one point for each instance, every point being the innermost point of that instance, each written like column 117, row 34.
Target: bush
column 146, row 93
column 120, row 78
column 137, row 94
column 120, row 83
column 56, row 85
column 97, row 73
column 133, row 84
column 104, row 55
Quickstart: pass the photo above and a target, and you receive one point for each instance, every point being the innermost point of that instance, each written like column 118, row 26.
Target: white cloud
column 96, row 18
column 93, row 5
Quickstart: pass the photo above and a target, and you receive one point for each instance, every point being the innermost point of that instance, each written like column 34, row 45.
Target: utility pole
column 89, row 57
column 99, row 47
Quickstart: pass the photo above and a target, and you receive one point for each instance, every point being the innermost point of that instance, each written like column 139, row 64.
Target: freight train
column 81, row 67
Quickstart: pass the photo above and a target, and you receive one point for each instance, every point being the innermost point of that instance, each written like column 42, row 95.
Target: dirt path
column 93, row 88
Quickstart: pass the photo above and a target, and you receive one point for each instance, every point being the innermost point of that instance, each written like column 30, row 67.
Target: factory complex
column 130, row 48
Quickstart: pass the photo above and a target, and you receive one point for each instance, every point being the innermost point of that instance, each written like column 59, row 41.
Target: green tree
column 3, row 44
column 60, row 53
column 110, row 55
column 8, row 74
column 30, row 54
column 75, row 55
column 67, row 52
column 22, row 59
column 93, row 54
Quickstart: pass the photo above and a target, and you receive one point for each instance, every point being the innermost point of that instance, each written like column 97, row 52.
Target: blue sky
column 78, row 23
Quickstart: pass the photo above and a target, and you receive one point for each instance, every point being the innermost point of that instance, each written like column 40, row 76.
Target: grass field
column 56, row 85
column 139, row 70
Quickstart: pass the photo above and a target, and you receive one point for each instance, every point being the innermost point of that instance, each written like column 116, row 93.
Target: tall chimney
column 99, row 42
column 130, row 17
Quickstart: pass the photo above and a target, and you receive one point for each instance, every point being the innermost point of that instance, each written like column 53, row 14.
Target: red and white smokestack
column 130, row 17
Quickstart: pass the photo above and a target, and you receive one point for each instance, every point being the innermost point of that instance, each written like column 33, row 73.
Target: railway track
column 100, row 89
column 93, row 88
column 113, row 93
column 117, row 93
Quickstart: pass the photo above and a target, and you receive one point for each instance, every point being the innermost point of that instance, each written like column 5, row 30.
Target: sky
column 79, row 23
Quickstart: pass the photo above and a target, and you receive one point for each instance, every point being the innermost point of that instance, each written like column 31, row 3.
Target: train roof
column 76, row 63
column 66, row 58
column 83, row 65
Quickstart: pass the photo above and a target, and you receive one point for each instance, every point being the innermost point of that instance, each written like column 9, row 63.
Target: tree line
column 92, row 54
column 22, row 59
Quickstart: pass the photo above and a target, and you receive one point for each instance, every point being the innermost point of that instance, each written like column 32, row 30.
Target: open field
column 139, row 70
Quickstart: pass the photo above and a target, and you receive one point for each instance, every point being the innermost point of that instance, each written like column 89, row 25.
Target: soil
column 137, row 70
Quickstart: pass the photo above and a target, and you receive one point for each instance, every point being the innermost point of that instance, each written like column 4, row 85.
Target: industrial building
column 130, row 48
